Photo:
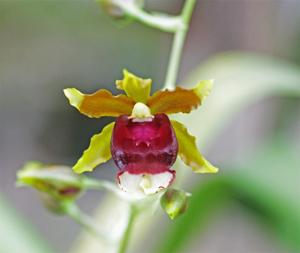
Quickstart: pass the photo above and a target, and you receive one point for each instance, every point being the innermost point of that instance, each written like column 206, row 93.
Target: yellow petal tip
column 80, row 170
column 126, row 72
column 74, row 96
column 203, row 88
column 206, row 168
column 81, row 166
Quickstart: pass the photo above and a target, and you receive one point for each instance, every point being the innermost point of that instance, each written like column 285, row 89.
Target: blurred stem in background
column 133, row 10
column 126, row 237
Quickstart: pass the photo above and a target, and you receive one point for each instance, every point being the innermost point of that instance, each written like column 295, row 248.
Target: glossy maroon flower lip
column 144, row 147
column 144, row 151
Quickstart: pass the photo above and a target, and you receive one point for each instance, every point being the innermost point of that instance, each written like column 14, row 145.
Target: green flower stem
column 178, row 43
column 162, row 22
column 133, row 213
column 72, row 210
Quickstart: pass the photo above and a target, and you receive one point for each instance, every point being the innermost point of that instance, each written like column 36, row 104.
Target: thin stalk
column 162, row 22
column 177, row 46
column 133, row 212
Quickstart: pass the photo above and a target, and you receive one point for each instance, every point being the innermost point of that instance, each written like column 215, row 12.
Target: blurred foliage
column 16, row 235
column 267, row 184
column 241, row 79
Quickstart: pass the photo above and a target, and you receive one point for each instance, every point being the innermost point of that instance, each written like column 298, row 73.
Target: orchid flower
column 143, row 141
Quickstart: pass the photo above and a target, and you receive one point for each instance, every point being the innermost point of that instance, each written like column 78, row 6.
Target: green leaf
column 16, row 235
column 268, row 185
column 188, row 151
column 135, row 87
column 98, row 152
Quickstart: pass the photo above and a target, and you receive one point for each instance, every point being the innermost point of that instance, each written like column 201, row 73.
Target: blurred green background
column 251, row 206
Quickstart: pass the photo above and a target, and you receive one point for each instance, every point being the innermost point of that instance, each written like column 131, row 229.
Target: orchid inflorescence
column 143, row 141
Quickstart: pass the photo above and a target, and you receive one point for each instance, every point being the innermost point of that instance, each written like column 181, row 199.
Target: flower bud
column 174, row 202
column 57, row 181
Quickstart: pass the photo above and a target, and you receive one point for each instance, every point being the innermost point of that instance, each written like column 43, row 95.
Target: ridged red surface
column 148, row 146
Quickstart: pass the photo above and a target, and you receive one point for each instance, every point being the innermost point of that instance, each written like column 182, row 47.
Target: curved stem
column 167, row 23
column 177, row 46
column 162, row 22
column 126, row 236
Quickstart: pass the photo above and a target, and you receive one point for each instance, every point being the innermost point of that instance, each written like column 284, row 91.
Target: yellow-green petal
column 203, row 88
column 99, row 104
column 98, row 151
column 188, row 151
column 135, row 87
column 180, row 99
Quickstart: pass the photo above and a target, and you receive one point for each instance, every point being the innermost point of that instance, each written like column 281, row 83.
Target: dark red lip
column 148, row 146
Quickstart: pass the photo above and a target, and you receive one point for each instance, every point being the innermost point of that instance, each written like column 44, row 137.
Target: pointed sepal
column 188, row 151
column 180, row 99
column 98, row 151
column 135, row 87
column 99, row 104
